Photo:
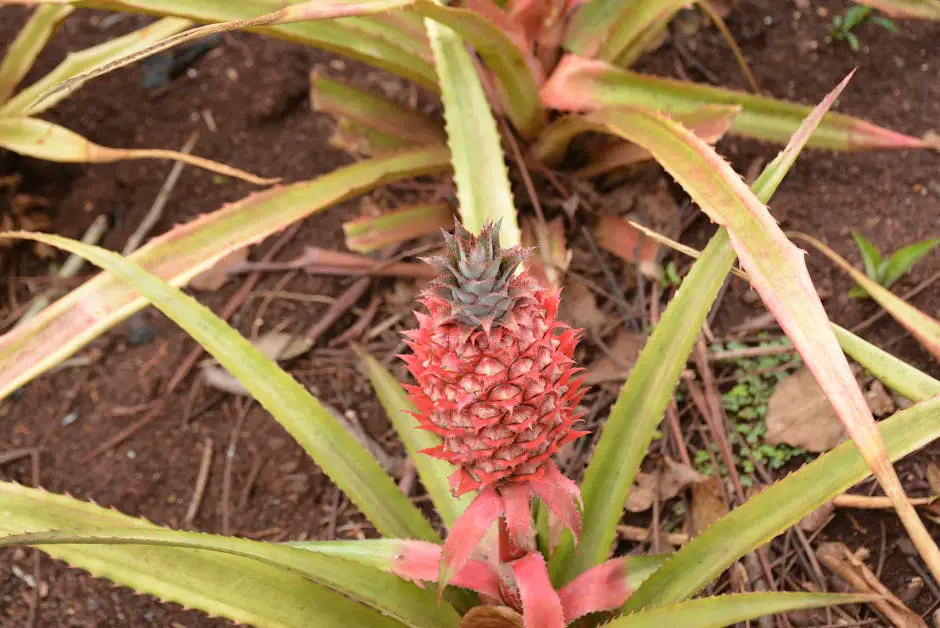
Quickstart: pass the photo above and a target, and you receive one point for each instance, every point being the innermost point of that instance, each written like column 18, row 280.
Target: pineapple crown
column 476, row 276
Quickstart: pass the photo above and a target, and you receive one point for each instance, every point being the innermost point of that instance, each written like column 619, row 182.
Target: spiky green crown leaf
column 476, row 276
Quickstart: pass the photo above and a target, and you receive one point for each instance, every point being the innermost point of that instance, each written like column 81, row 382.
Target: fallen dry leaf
column 552, row 256
column 626, row 348
column 879, row 400
column 214, row 278
column 579, row 309
column 673, row 479
column 933, row 478
column 818, row 518
column 621, row 238
column 800, row 415
column 708, row 505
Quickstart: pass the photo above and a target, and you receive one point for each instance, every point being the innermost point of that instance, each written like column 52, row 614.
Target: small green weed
column 670, row 276
column 885, row 272
column 842, row 25
column 746, row 405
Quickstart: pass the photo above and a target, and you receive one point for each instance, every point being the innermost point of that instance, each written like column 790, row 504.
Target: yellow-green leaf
column 327, row 441
column 923, row 327
column 378, row 589
column 779, row 506
column 185, row 251
column 483, row 189
column 726, row 610
column 434, row 473
column 241, row 589
column 44, row 140
column 29, row 42
column 78, row 62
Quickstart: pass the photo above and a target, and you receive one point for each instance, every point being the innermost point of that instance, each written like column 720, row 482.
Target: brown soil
column 255, row 89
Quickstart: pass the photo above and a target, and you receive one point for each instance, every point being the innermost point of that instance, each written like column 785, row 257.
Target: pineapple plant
column 498, row 384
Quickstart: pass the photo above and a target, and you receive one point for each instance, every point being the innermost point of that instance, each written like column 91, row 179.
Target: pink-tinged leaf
column 541, row 606
column 580, row 84
column 923, row 327
column 778, row 273
column 319, row 261
column 562, row 497
column 338, row 98
column 466, row 534
column 518, row 515
column 371, row 233
column 621, row 238
column 185, row 251
column 645, row 395
column 530, row 15
column 710, row 122
column 601, row 588
column 916, row 9
column 420, row 561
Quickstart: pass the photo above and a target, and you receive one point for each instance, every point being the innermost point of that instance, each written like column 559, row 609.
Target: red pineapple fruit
column 497, row 382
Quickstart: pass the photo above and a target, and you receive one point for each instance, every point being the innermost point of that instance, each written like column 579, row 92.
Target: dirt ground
column 255, row 91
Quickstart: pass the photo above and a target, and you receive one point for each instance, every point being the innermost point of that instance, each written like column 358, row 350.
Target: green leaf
column 870, row 256
column 334, row 449
column 641, row 21
column 78, row 62
column 380, row 590
column 852, row 41
column 354, row 37
column 903, row 259
column 29, row 42
column 776, row 508
column 648, row 389
column 591, row 23
column 580, row 84
column 243, row 590
column 434, row 473
column 894, row 373
column 44, row 140
column 513, row 68
column 337, row 98
column 370, row 233
column 855, row 16
column 185, row 251
column 483, row 189
column 725, row 610
column 884, row 23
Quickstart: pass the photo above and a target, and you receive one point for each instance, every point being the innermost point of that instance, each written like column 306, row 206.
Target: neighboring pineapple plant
column 497, row 389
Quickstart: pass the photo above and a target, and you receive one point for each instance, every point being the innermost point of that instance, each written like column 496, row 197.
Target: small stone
column 131, row 454
column 70, row 418
column 140, row 334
